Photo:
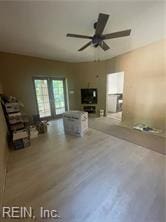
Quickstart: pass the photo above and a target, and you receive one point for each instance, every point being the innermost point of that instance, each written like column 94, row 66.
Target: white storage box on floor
column 75, row 122
column 33, row 132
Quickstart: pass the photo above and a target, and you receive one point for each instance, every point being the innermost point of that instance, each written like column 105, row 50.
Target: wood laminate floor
column 96, row 178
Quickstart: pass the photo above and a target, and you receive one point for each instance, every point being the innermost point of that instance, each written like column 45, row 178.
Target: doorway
column 115, row 84
column 50, row 97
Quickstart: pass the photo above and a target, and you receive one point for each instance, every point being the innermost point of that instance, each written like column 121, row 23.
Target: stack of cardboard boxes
column 19, row 134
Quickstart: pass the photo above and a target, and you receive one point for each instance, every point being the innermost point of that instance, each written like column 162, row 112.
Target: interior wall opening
column 114, row 100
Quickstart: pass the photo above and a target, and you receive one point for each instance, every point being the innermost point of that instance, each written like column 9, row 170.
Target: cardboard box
column 75, row 122
column 21, row 139
column 17, row 126
column 15, row 118
column 20, row 134
column 33, row 132
column 12, row 107
column 21, row 143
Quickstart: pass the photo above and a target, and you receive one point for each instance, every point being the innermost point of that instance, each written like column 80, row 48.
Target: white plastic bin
column 101, row 112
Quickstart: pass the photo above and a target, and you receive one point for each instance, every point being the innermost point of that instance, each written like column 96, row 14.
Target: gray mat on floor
column 150, row 141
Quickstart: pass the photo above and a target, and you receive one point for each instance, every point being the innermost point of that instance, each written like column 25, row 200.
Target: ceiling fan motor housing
column 96, row 40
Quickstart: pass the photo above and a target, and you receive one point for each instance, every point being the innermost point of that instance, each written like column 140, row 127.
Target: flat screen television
column 89, row 96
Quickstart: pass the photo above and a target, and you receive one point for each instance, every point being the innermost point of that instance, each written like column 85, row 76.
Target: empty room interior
column 83, row 111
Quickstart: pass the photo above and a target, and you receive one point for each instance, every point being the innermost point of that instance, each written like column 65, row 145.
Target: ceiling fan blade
column 104, row 46
column 101, row 23
column 85, row 46
column 117, row 34
column 79, row 36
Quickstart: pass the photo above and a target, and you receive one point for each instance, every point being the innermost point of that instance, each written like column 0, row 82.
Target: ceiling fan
column 98, row 38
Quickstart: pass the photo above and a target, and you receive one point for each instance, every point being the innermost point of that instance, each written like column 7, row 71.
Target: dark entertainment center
column 89, row 98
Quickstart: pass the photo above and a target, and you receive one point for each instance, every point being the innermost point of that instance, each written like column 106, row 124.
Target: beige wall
column 3, row 152
column 144, row 81
column 17, row 71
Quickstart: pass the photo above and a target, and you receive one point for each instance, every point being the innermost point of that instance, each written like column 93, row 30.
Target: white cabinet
column 112, row 103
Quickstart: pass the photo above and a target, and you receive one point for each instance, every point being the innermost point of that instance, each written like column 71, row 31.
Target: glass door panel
column 42, row 95
column 58, row 96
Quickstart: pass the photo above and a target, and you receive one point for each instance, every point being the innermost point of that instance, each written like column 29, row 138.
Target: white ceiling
column 39, row 28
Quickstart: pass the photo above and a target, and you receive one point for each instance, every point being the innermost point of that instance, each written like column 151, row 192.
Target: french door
column 50, row 97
